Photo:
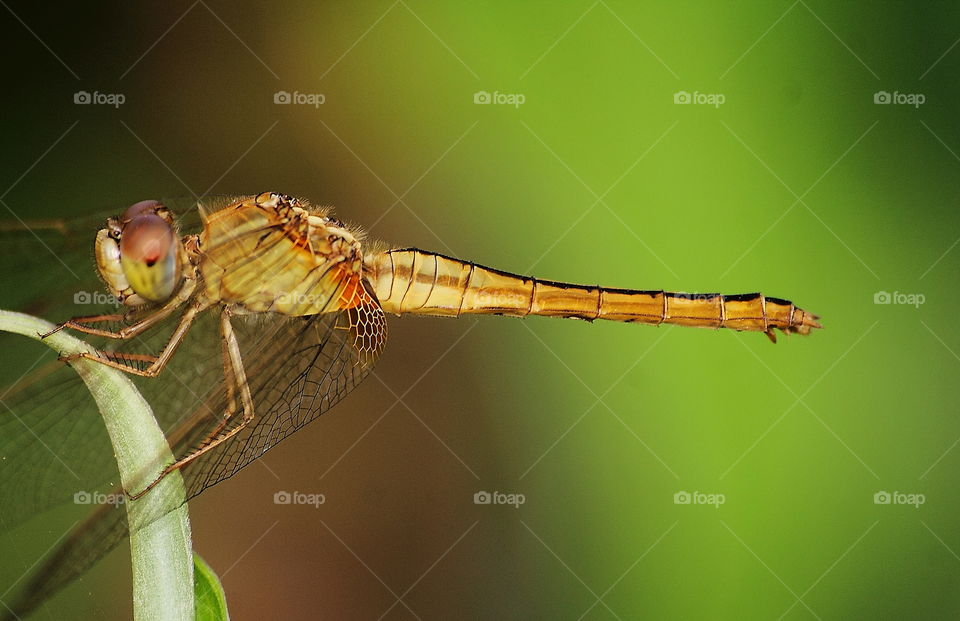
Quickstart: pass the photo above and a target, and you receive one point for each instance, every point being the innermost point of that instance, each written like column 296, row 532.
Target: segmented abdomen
column 415, row 281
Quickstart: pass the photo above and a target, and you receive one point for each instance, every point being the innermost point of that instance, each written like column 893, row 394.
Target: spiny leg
column 80, row 323
column 157, row 363
column 227, row 372
column 235, row 378
column 227, row 342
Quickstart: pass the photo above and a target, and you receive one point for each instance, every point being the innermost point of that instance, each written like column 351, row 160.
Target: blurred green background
column 798, row 185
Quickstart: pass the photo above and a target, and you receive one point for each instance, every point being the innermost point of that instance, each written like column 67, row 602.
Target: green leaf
column 208, row 592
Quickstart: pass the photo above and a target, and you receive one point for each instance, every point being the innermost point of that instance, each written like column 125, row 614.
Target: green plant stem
column 160, row 548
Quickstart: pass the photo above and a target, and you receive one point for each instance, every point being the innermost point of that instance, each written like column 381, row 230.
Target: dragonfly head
column 139, row 254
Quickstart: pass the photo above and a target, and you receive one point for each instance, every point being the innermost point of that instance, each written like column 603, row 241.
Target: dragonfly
column 242, row 319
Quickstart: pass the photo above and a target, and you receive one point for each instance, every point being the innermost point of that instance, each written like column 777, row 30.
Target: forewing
column 53, row 444
column 297, row 369
column 52, row 441
column 48, row 264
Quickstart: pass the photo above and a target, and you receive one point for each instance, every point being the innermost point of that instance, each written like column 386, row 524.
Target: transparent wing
column 298, row 368
column 102, row 531
column 52, row 442
column 48, row 264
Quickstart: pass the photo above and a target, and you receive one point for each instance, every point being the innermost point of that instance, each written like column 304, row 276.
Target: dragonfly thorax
column 273, row 253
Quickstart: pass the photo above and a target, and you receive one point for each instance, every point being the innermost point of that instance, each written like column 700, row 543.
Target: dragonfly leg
column 233, row 377
column 82, row 324
column 154, row 364
column 236, row 381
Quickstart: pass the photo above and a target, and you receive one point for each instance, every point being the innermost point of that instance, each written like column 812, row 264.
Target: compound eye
column 149, row 257
column 137, row 209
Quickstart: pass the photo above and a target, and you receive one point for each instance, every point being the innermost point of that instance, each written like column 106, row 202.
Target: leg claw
column 56, row 329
